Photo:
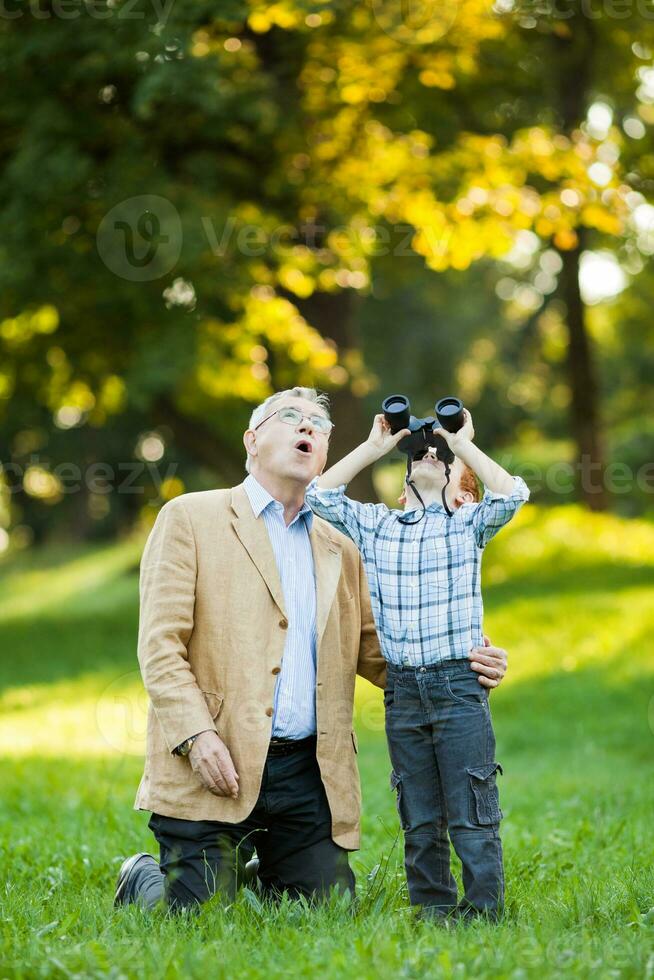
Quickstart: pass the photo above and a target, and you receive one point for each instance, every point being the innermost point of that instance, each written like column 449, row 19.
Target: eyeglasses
column 291, row 416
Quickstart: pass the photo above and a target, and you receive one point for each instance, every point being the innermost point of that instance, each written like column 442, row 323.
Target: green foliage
column 304, row 152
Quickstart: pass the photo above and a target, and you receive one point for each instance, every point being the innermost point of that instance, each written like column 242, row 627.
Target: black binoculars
column 424, row 432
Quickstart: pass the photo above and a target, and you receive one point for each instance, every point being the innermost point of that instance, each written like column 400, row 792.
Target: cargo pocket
column 396, row 784
column 484, row 795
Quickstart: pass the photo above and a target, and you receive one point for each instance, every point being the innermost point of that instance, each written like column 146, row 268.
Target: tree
column 197, row 199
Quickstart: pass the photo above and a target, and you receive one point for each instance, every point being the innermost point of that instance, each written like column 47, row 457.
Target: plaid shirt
column 424, row 578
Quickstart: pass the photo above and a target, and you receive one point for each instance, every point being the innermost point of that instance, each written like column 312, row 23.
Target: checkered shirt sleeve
column 358, row 521
column 494, row 511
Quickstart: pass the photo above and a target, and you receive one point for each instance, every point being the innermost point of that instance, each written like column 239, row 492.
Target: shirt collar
column 434, row 507
column 260, row 500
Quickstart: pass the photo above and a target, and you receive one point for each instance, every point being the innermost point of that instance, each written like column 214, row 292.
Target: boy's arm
column 326, row 494
column 379, row 442
column 358, row 521
column 491, row 474
column 504, row 494
column 494, row 477
column 496, row 510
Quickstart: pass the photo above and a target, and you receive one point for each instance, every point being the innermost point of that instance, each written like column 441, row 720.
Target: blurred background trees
column 200, row 206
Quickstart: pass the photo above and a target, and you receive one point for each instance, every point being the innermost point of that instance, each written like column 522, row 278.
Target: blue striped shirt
column 294, row 705
column 424, row 578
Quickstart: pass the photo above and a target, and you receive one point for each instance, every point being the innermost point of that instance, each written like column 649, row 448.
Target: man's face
column 288, row 452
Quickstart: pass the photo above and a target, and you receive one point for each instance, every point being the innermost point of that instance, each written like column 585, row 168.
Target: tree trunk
column 572, row 63
column 333, row 315
column 200, row 442
column 583, row 385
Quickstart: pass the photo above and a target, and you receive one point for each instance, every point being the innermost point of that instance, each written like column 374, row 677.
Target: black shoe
column 438, row 915
column 123, row 894
column 251, row 872
column 467, row 914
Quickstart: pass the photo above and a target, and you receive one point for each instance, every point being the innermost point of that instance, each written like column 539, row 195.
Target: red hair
column 469, row 483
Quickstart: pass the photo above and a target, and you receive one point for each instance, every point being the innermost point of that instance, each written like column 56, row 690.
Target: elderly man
column 255, row 619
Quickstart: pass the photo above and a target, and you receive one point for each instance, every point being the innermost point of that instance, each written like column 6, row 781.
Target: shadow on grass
column 564, row 713
column 55, row 648
column 579, row 579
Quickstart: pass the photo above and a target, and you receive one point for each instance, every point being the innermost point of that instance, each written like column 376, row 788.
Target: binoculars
column 424, row 432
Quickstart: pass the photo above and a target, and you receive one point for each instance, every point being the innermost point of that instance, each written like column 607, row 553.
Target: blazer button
column 284, row 624
column 276, row 670
column 269, row 712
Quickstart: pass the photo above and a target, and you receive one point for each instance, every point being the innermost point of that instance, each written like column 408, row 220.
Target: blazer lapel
column 254, row 538
column 327, row 563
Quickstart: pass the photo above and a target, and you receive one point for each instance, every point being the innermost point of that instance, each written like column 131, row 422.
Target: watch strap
column 185, row 747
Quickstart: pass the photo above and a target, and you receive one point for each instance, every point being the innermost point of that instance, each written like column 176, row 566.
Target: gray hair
column 310, row 394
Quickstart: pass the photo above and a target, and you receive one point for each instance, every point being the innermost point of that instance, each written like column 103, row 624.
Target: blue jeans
column 442, row 748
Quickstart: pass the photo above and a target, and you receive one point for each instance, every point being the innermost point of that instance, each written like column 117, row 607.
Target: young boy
column 423, row 570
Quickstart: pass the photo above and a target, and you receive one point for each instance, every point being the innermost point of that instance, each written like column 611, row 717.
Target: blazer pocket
column 214, row 703
column 355, row 741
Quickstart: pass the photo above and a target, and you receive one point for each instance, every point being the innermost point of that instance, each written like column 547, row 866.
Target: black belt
column 284, row 746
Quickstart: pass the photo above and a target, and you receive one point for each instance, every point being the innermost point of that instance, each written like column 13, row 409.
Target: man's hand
column 212, row 763
column 381, row 440
column 489, row 662
column 465, row 435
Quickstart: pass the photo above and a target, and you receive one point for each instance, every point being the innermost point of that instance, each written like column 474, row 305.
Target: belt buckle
column 279, row 746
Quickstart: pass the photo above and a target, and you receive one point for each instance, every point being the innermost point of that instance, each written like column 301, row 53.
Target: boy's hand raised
column 381, row 440
column 465, row 435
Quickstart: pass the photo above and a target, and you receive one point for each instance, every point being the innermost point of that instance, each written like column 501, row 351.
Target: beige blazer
column 211, row 637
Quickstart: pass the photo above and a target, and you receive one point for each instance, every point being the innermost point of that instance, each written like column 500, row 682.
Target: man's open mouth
column 304, row 446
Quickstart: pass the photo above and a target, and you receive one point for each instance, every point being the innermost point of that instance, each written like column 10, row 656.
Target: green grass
column 568, row 593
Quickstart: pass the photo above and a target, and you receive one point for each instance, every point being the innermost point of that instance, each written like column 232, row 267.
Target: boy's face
column 428, row 474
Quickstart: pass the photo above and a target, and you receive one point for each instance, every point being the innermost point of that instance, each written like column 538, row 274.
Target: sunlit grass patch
column 76, row 581
column 546, row 542
column 97, row 714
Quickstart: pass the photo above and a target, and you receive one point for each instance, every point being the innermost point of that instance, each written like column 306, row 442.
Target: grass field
column 571, row 597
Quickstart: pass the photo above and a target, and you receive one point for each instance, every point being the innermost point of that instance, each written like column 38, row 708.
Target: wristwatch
column 185, row 746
